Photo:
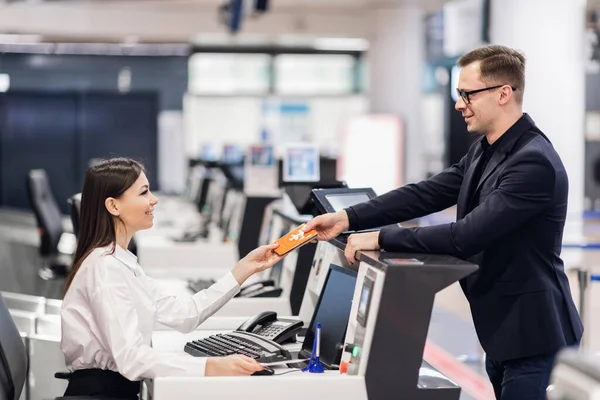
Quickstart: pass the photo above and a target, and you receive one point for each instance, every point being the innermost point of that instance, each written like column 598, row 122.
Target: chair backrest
column 74, row 211
column 47, row 213
column 13, row 357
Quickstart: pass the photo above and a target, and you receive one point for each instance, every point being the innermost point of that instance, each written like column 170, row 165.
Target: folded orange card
column 294, row 239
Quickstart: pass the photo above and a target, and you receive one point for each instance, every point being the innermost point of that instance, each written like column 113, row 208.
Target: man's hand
column 328, row 226
column 361, row 241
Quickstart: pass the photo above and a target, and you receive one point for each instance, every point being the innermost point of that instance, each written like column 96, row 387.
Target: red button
column 344, row 367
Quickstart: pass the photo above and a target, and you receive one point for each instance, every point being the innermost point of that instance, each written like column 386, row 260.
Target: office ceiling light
column 352, row 44
column 4, row 82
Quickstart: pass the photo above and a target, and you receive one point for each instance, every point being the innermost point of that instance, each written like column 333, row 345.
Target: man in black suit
column 511, row 196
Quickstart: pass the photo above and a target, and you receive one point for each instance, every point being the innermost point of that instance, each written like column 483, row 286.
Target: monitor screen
column 262, row 156
column 364, row 300
column 332, row 312
column 232, row 154
column 301, row 163
column 209, row 152
column 340, row 201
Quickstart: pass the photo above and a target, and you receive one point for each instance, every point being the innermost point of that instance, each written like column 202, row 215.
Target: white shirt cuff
column 228, row 282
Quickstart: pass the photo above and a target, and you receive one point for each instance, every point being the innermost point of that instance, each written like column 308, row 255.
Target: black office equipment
column 332, row 312
column 266, row 324
column 49, row 223
column 245, row 343
column 258, row 338
column 337, row 199
column 75, row 211
column 264, row 371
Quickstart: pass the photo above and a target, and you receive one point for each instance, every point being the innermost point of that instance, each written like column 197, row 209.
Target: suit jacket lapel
column 496, row 159
column 465, row 194
column 501, row 153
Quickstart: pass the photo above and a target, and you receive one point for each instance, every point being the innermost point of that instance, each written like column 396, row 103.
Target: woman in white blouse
column 111, row 307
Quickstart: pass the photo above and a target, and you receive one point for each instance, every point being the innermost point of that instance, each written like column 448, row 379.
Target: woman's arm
column 117, row 320
column 185, row 312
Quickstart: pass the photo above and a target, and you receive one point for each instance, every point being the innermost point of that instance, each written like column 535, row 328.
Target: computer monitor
column 341, row 201
column 209, row 152
column 301, row 163
column 334, row 200
column 262, row 156
column 327, row 172
column 332, row 312
column 232, row 154
column 299, row 193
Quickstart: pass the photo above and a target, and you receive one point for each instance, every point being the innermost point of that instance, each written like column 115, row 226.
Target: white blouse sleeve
column 117, row 318
column 185, row 312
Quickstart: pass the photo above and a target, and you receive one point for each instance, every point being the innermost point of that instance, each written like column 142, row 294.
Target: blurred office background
column 371, row 83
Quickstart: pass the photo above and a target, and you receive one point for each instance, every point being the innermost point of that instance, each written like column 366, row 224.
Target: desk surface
column 293, row 385
column 288, row 383
column 383, row 259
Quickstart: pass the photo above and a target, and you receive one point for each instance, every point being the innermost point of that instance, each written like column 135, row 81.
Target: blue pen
column 314, row 365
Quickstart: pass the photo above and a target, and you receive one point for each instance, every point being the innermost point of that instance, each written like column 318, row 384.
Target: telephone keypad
column 271, row 331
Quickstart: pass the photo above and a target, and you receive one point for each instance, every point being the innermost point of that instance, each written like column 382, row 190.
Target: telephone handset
column 264, row 288
column 268, row 326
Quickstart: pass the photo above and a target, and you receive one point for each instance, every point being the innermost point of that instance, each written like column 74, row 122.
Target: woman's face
column 136, row 206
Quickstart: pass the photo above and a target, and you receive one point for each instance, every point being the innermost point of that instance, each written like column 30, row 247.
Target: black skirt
column 102, row 383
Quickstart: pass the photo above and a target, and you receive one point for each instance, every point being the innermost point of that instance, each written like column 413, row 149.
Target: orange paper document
column 294, row 239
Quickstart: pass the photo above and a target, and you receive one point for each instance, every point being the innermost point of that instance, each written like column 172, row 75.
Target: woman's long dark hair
column 110, row 178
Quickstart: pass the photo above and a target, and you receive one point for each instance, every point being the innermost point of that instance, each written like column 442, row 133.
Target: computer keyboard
column 238, row 342
column 196, row 285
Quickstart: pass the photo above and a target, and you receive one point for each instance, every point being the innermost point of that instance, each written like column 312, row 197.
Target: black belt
column 103, row 383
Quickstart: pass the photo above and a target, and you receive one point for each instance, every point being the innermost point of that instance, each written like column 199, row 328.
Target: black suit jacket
column 511, row 224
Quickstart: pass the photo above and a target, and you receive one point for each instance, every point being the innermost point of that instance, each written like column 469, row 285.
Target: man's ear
column 506, row 94
column 111, row 205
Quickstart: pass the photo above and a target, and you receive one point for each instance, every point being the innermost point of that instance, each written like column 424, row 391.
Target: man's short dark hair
column 499, row 65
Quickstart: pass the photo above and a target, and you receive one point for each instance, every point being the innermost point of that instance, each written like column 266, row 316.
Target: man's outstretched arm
column 411, row 201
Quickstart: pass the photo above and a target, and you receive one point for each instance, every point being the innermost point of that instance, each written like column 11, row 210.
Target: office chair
column 75, row 212
column 49, row 223
column 13, row 360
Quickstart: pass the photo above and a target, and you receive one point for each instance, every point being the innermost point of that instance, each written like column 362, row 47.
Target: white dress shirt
column 110, row 310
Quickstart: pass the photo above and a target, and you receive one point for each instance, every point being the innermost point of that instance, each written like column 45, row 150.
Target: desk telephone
column 260, row 338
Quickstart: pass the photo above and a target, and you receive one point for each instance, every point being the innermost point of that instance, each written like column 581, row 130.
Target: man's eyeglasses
column 465, row 95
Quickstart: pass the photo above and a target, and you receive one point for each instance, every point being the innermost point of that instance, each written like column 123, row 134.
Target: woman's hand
column 257, row 260
column 233, row 365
